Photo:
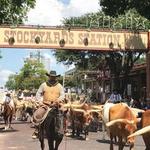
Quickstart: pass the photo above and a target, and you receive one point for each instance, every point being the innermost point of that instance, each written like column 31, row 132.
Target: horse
column 52, row 128
column 7, row 115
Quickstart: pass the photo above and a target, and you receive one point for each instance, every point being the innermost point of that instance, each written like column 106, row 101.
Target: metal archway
column 44, row 37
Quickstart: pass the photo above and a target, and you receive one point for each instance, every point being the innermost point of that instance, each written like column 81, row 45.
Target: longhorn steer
column 80, row 121
column 145, row 131
column 81, row 116
column 121, row 122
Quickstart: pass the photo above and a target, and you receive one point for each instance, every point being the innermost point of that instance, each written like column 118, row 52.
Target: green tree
column 15, row 11
column 119, row 62
column 117, row 7
column 11, row 83
column 30, row 76
column 130, row 20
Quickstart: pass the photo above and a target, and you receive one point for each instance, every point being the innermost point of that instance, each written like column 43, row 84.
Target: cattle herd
column 121, row 122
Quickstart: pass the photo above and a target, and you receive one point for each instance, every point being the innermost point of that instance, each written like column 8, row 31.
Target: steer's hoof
column 87, row 139
column 34, row 137
column 68, row 134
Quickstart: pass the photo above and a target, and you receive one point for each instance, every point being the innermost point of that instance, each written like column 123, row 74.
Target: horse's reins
column 40, row 121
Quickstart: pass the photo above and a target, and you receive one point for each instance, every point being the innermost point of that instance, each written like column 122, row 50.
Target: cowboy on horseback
column 49, row 96
column 8, row 109
column 7, row 99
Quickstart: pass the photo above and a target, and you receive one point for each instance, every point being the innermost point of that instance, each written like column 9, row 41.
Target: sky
column 46, row 13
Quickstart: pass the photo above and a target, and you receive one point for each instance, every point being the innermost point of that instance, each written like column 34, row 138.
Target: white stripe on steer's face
column 106, row 109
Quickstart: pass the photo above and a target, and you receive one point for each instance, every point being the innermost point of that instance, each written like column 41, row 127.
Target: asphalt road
column 20, row 139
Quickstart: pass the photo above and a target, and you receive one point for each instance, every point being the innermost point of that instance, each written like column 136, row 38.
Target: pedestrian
column 115, row 97
column 20, row 95
column 128, row 100
column 131, row 101
column 136, row 104
column 82, row 96
column 50, row 93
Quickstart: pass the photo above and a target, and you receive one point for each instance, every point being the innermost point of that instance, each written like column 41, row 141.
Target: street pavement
column 20, row 139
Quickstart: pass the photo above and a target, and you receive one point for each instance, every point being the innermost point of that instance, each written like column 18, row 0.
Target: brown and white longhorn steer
column 80, row 120
column 145, row 131
column 121, row 122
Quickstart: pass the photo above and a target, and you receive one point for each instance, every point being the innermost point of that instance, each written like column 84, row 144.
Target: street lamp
column 111, row 45
column 62, row 43
column 85, row 41
column 64, row 80
column 37, row 40
column 11, row 40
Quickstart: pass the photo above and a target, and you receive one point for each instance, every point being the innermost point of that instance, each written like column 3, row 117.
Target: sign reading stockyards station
column 79, row 39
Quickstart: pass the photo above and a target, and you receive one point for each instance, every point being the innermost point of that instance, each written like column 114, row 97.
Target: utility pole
column 39, row 56
column 64, row 80
column 0, row 54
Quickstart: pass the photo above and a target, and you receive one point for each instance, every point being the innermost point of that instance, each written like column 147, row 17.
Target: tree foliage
column 15, row 11
column 131, row 20
column 30, row 76
column 83, row 60
column 119, row 62
column 117, row 7
column 11, row 83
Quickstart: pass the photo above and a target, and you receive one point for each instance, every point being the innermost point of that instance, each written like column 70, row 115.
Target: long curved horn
column 119, row 121
column 140, row 132
column 136, row 110
column 75, row 105
column 78, row 110
column 97, row 107
column 94, row 110
column 68, row 105
column 72, row 105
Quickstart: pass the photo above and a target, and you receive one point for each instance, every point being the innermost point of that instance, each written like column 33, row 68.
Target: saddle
column 40, row 114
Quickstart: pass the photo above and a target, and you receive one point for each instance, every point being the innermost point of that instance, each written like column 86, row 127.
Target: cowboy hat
column 52, row 74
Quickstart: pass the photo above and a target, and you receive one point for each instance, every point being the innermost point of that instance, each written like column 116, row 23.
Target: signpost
column 79, row 39
column 76, row 39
